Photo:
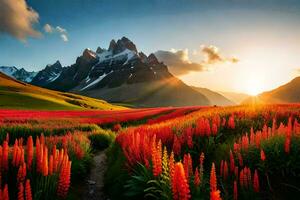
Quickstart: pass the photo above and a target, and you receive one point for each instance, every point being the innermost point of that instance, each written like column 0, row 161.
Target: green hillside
column 18, row 95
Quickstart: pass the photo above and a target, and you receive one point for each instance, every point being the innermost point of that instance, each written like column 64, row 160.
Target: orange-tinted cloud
column 213, row 56
column 17, row 19
column 179, row 63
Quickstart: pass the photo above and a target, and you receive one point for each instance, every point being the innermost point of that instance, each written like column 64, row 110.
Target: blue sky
column 236, row 27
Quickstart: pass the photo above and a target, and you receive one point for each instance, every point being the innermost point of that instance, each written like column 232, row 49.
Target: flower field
column 240, row 152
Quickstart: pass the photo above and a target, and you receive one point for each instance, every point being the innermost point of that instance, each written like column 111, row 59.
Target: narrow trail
column 95, row 180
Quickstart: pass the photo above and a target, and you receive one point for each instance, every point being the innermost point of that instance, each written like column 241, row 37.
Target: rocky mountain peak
column 88, row 55
column 112, row 45
column 121, row 45
column 143, row 57
column 152, row 60
column 100, row 50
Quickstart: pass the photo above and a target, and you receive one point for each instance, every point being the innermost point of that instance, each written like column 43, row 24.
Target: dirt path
column 95, row 181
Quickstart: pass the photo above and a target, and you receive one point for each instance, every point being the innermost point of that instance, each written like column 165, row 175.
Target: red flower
column 29, row 152
column 28, row 193
column 197, row 180
column 156, row 158
column 256, row 182
column 287, row 145
column 187, row 165
column 5, row 195
column 235, row 191
column 180, row 187
column 213, row 178
column 171, row 166
column 232, row 165
column 225, row 170
column 21, row 192
column 21, row 173
column 64, row 178
column 262, row 155
column 215, row 195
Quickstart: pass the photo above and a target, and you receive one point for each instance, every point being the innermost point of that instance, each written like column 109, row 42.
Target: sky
column 226, row 45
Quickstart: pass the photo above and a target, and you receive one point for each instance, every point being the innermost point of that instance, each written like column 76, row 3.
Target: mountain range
column 122, row 74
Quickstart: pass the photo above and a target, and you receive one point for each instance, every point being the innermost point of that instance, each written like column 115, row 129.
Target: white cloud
column 17, row 19
column 64, row 37
column 48, row 28
column 57, row 30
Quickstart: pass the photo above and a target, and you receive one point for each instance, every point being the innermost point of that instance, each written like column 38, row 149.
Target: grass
column 18, row 95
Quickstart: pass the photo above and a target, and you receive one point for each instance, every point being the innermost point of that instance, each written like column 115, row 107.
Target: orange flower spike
column 21, row 192
column 213, row 178
column 215, row 195
column 262, row 155
column 29, row 152
column 180, row 186
column 21, row 173
column 256, row 182
column 171, row 166
column 5, row 195
column 235, row 191
column 28, row 193
column 45, row 162
column 64, row 179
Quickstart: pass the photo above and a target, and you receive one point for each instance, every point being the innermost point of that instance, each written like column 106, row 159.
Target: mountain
column 47, row 75
column 15, row 94
column 214, row 97
column 287, row 93
column 234, row 96
column 20, row 74
column 121, row 74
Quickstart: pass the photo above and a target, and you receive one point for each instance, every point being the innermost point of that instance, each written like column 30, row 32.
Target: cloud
column 179, row 63
column 17, row 19
column 59, row 30
column 48, row 28
column 64, row 37
column 213, row 56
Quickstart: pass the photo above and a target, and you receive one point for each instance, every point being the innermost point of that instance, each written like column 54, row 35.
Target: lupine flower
column 256, row 182
column 225, row 170
column 5, row 195
column 165, row 165
column 231, row 123
column 188, row 165
column 235, row 191
column 28, row 194
column 156, row 158
column 215, row 195
column 232, row 165
column 171, row 166
column 213, row 178
column 29, row 152
column 287, row 145
column 45, row 162
column 21, row 192
column 180, row 186
column 21, row 173
column 197, row 180
column 262, row 155
column 64, row 179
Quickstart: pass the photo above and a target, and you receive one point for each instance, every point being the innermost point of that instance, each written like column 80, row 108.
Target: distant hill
column 287, row 93
column 214, row 97
column 15, row 94
column 120, row 74
column 234, row 96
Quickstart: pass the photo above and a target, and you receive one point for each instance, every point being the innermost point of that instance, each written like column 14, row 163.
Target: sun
column 254, row 87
